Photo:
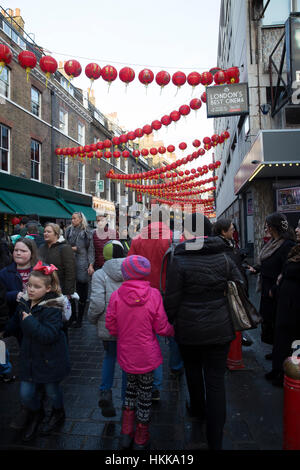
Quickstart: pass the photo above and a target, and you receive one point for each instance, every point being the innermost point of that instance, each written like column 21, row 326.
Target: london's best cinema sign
column 227, row 100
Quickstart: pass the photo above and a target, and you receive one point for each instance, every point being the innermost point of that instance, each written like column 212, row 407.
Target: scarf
column 269, row 248
column 73, row 234
column 294, row 254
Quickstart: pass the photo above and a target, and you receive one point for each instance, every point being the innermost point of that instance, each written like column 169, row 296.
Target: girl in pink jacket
column 135, row 314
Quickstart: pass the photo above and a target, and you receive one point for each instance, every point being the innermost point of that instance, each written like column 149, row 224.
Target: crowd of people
column 134, row 292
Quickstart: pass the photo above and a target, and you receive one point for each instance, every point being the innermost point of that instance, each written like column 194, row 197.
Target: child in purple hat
column 135, row 314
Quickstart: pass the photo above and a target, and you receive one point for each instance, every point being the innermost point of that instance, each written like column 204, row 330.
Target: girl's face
column 76, row 220
column 101, row 221
column 36, row 288
column 228, row 234
column 49, row 235
column 21, row 254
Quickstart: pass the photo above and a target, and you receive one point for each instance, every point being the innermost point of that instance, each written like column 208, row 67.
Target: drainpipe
column 52, row 142
column 257, row 68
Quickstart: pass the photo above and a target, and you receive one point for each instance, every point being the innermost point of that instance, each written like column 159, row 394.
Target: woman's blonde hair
column 84, row 222
column 55, row 228
column 51, row 280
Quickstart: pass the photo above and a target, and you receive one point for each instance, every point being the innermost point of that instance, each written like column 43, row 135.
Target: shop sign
column 227, row 100
column 288, row 199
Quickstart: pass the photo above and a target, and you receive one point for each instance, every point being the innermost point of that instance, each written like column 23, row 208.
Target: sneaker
column 155, row 395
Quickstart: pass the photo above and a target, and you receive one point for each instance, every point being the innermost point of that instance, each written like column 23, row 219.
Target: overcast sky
column 166, row 35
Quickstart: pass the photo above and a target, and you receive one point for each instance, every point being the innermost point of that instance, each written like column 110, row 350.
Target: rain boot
column 141, row 436
column 56, row 418
column 34, row 421
column 127, row 430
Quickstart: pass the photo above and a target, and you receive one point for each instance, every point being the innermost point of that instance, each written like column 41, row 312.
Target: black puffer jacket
column 195, row 299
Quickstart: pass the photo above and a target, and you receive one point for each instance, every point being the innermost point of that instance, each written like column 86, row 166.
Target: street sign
column 101, row 186
column 227, row 100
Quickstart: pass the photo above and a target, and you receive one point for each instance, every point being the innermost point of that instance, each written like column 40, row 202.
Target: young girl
column 135, row 314
column 43, row 355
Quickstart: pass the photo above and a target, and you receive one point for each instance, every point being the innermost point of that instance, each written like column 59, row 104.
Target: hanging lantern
column 225, row 135
column 194, row 79
column 232, row 75
column 109, row 74
column 162, row 150
column 179, row 79
column 203, row 97
column 115, row 141
column 220, row 77
column 145, row 152
column 153, row 151
column 147, row 129
column 99, row 154
column 123, row 139
column 184, row 110
column 131, row 136
column 215, row 140
column 127, row 75
column 72, row 69
column 221, row 139
column 5, row 56
column 207, row 78
column 156, row 125
column 182, row 145
column 170, row 148
column 116, row 154
column 125, row 154
column 107, row 154
column 166, row 120
column 139, row 132
column 196, row 143
column 207, row 143
column 15, row 220
column 136, row 154
column 162, row 79
column 48, row 65
column 58, row 151
column 201, row 152
column 175, row 116
column 146, row 76
column 195, row 104
column 93, row 72
column 27, row 60
column 107, row 143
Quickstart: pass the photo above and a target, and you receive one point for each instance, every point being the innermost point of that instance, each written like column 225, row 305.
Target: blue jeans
column 176, row 361
column 7, row 367
column 108, row 368
column 31, row 399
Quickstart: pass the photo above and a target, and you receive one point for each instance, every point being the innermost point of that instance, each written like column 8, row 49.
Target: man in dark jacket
column 196, row 305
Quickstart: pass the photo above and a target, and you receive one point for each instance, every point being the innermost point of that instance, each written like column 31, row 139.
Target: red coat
column 152, row 243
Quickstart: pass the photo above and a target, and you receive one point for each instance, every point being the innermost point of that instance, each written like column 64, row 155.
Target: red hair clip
column 45, row 269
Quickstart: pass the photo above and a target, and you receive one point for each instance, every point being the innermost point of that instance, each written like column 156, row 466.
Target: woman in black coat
column 287, row 327
column 270, row 264
column 196, row 304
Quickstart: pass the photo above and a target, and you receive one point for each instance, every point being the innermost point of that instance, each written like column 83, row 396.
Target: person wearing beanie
column 135, row 315
column 195, row 303
column 104, row 282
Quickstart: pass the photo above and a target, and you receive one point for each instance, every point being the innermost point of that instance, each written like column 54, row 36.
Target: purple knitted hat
column 135, row 267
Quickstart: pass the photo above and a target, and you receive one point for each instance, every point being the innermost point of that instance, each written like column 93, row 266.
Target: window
column 296, row 5
column 81, row 177
column 4, row 148
column 7, row 29
column 67, row 86
column 35, row 102
column 97, row 192
column 277, row 12
column 63, row 172
column 63, row 121
column 35, row 159
column 81, row 134
column 4, row 82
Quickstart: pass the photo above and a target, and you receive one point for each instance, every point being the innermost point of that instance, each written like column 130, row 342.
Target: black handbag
column 243, row 313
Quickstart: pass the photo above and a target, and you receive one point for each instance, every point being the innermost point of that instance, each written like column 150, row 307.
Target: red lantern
column 175, row 116
column 203, row 97
column 107, row 154
column 225, row 135
column 109, row 74
column 131, row 135
column 99, row 154
column 117, row 154
column 100, row 145
column 195, row 104
column 179, row 79
column 15, row 220
column 72, row 68
column 136, row 153
column 123, row 138
column 194, row 78
column 232, row 75
column 93, row 72
column 196, row 143
column 145, row 152
column 146, row 76
column 115, row 141
column 58, row 151
column 184, row 110
column 162, row 150
column 201, row 152
column 207, row 78
column 125, row 154
column 221, row 139
column 127, row 75
column 182, row 145
column 5, row 56
column 166, row 120
column 27, row 60
column 170, row 148
column 107, row 143
column 162, row 78
column 156, row 125
column 147, row 129
column 139, row 132
column 48, row 65
column 220, row 77
column 153, row 151
column 215, row 139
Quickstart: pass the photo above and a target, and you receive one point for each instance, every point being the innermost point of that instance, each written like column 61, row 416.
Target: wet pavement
column 254, row 406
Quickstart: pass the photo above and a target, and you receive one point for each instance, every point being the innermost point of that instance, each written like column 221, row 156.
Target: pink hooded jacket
column 135, row 314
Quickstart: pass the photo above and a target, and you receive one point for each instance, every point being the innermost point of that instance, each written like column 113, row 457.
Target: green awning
column 5, row 209
column 88, row 211
column 25, row 204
